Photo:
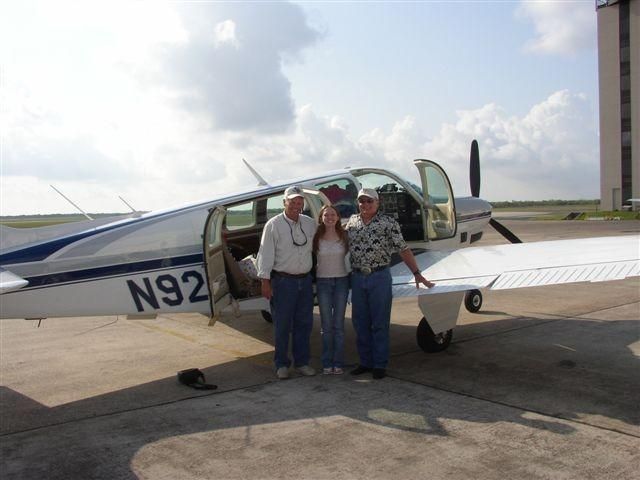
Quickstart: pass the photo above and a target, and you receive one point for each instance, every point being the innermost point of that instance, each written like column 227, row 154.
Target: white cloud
column 82, row 113
column 243, row 87
column 551, row 152
column 561, row 27
column 104, row 117
column 225, row 33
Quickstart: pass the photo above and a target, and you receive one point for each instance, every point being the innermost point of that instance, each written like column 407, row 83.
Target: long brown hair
column 342, row 234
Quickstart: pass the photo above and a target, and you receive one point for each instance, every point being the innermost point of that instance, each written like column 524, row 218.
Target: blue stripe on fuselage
column 472, row 216
column 42, row 251
column 91, row 274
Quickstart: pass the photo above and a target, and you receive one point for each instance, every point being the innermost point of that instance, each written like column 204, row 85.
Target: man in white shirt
column 284, row 266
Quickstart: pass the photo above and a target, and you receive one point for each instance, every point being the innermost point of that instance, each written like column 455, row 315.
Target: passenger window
column 241, row 216
column 274, row 206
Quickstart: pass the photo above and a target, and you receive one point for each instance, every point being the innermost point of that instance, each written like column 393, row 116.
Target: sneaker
column 337, row 371
column 327, row 371
column 379, row 373
column 360, row 369
column 306, row 370
column 282, row 373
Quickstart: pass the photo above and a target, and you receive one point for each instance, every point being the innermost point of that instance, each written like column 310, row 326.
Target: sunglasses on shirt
column 294, row 240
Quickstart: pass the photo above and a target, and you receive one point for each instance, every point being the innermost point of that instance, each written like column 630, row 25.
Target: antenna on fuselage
column 63, row 196
column 136, row 213
column 261, row 181
column 127, row 204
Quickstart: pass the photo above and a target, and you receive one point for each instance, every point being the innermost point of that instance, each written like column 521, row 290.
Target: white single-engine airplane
column 198, row 258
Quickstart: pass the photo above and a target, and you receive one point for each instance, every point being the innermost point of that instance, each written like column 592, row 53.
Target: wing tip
column 10, row 282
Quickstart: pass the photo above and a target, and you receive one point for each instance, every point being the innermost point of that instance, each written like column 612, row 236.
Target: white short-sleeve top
column 331, row 263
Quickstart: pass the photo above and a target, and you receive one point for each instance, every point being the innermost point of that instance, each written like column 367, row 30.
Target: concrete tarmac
column 542, row 383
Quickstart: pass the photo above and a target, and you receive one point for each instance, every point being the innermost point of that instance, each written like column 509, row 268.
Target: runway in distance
column 199, row 257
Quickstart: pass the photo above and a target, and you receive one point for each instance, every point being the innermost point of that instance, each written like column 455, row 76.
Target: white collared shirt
column 277, row 249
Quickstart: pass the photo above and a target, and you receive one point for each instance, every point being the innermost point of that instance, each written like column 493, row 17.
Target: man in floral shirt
column 373, row 238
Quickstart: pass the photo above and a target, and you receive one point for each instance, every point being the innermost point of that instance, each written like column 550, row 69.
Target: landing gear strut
column 431, row 342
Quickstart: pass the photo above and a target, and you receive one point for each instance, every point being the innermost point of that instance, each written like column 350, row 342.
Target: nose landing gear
column 473, row 300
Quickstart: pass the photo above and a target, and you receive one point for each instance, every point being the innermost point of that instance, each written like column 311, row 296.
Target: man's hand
column 421, row 280
column 265, row 287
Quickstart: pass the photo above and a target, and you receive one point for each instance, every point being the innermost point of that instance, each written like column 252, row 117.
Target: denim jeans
column 371, row 313
column 292, row 313
column 332, row 301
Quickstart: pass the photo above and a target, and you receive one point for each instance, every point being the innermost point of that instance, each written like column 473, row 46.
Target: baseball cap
column 292, row 192
column 368, row 192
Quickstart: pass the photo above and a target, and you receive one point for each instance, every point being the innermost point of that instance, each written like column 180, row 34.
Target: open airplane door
column 435, row 330
column 219, row 292
column 438, row 200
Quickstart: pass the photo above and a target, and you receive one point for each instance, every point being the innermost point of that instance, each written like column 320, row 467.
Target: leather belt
column 369, row 270
column 289, row 275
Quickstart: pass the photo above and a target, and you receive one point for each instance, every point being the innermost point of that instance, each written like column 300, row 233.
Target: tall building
column 619, row 86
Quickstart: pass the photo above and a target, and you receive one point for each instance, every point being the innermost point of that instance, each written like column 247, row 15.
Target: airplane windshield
column 415, row 187
column 397, row 200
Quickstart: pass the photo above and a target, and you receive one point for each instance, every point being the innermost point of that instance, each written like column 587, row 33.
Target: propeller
column 474, row 169
column 474, row 183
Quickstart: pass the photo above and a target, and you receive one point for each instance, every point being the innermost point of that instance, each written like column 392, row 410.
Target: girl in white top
column 330, row 244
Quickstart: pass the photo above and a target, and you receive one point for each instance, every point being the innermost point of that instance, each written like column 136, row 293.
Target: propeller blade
column 504, row 231
column 474, row 169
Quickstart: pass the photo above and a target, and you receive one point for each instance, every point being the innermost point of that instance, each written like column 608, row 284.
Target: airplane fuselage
column 155, row 263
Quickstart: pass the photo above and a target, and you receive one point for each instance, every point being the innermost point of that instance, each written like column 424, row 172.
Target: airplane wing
column 501, row 267
column 10, row 281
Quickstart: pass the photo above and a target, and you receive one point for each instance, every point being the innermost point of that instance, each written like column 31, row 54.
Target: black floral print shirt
column 372, row 245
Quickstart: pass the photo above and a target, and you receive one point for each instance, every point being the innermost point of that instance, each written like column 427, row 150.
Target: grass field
column 32, row 221
column 559, row 212
column 35, row 223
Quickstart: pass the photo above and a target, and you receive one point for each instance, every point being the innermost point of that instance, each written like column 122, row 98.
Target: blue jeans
column 371, row 313
column 332, row 301
column 292, row 313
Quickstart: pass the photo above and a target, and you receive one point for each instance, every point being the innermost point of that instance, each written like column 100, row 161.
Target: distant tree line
column 542, row 203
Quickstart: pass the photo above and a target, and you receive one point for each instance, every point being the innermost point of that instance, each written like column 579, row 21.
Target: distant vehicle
column 633, row 204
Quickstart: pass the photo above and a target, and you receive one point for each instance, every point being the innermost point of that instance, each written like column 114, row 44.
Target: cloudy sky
column 159, row 102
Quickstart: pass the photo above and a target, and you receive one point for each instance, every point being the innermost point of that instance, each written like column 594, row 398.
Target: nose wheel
column 432, row 342
column 473, row 300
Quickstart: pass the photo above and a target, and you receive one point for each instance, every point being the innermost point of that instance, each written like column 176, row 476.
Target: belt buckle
column 366, row 270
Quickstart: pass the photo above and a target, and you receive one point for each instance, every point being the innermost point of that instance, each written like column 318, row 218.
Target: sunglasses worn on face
column 365, row 200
